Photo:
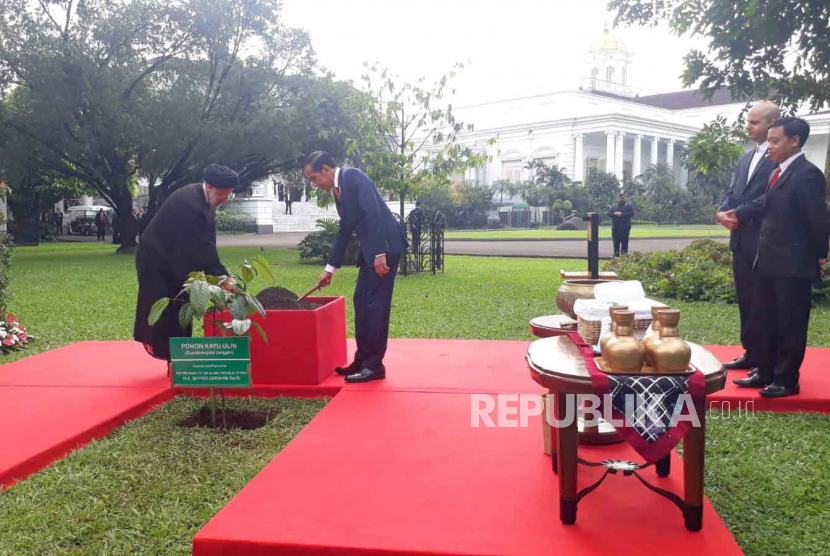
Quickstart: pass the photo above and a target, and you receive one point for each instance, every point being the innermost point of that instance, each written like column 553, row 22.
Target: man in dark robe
column 180, row 239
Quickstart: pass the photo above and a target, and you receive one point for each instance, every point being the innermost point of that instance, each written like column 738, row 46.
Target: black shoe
column 365, row 375
column 350, row 370
column 752, row 372
column 776, row 391
column 740, row 363
column 752, row 382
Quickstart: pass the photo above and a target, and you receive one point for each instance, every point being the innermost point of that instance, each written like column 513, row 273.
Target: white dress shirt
column 760, row 153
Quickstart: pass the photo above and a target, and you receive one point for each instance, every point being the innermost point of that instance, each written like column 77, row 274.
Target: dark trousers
column 620, row 238
column 102, row 231
column 742, row 262
column 288, row 207
column 778, row 332
column 372, row 305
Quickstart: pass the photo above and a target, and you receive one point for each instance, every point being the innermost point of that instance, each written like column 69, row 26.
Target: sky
column 510, row 48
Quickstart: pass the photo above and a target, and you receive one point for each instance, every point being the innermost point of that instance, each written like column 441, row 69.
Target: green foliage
column 402, row 139
column 232, row 220
column 710, row 156
column 6, row 248
column 700, row 272
column 661, row 201
column 320, row 244
column 553, row 177
column 464, row 205
column 601, row 190
column 203, row 293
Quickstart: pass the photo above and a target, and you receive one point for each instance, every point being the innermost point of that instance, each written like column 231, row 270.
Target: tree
column 710, row 156
column 553, row 177
column 115, row 89
column 751, row 53
column 500, row 187
column 402, row 138
column 601, row 190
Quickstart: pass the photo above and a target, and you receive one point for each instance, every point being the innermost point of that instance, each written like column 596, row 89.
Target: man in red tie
column 793, row 241
column 363, row 212
column 752, row 174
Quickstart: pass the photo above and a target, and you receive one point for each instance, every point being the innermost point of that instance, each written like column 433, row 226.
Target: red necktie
column 337, row 193
column 775, row 177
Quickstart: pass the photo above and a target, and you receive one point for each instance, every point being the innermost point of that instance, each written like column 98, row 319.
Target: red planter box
column 303, row 347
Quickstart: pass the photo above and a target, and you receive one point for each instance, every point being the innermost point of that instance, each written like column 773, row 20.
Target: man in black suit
column 621, row 215
column 180, row 239
column 793, row 240
column 363, row 211
column 752, row 175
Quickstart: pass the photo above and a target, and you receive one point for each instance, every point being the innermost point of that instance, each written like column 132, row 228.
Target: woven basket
column 590, row 329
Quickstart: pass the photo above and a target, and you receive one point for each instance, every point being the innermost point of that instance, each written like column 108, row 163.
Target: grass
column 604, row 231
column 764, row 475
column 148, row 487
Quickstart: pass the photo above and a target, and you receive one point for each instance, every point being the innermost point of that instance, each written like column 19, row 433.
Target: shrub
column 320, row 244
column 701, row 271
column 5, row 266
column 232, row 220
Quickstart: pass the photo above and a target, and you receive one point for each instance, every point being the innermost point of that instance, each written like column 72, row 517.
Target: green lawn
column 764, row 475
column 604, row 231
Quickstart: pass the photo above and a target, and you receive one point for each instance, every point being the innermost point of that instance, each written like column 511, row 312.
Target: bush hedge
column 6, row 246
column 320, row 244
column 702, row 271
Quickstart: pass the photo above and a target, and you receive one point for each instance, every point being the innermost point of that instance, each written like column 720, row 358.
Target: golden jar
column 571, row 290
column 669, row 353
column 623, row 352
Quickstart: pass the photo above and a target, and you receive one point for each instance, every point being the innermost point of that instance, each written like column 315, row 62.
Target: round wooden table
column 558, row 365
column 551, row 325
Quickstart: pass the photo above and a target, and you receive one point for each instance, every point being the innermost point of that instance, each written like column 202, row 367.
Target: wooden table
column 551, row 325
column 558, row 365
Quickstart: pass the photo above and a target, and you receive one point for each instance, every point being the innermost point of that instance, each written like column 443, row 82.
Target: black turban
column 221, row 177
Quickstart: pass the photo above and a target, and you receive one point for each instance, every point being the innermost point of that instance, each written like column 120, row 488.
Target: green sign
column 215, row 362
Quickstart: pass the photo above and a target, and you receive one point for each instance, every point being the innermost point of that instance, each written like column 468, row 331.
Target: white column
column 636, row 167
column 670, row 152
column 579, row 158
column 619, row 151
column 655, row 142
column 609, row 152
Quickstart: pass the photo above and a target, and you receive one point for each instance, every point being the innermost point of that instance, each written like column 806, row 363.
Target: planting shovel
column 309, row 292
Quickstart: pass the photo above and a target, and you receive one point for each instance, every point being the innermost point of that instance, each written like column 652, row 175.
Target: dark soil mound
column 280, row 298
column 245, row 420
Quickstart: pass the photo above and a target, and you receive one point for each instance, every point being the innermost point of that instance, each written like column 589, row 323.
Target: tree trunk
column 403, row 215
column 126, row 226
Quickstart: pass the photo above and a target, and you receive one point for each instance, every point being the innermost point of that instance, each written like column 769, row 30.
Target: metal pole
column 593, row 244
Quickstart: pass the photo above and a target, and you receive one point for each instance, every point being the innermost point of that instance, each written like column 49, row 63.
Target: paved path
column 532, row 248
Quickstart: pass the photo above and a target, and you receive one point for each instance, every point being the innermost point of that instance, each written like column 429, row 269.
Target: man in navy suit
column 752, row 174
column 792, row 242
column 362, row 211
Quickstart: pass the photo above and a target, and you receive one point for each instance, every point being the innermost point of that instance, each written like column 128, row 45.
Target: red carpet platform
column 53, row 403
column 814, row 381
column 405, row 473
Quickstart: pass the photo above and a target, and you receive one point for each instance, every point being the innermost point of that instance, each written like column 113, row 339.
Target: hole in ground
column 245, row 420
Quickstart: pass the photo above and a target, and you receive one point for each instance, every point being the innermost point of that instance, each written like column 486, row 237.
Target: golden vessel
column 668, row 353
column 654, row 334
column 571, row 290
column 623, row 352
column 611, row 311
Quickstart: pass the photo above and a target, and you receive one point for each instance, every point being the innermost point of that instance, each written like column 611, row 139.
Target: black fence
column 425, row 232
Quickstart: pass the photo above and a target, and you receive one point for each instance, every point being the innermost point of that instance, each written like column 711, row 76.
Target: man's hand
column 728, row 219
column 380, row 265
column 618, row 213
column 324, row 279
